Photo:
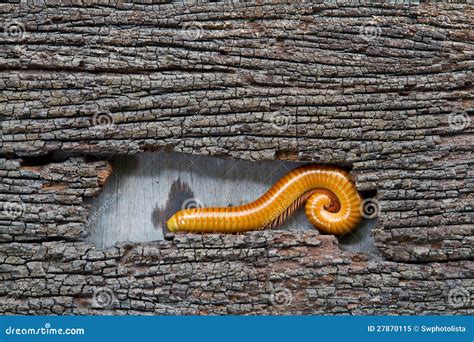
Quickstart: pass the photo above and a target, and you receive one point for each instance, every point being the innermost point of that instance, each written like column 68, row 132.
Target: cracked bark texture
column 380, row 88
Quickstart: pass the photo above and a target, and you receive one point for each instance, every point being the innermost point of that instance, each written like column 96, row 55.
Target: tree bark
column 385, row 89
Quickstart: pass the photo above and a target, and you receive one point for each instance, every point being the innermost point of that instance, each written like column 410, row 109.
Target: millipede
column 332, row 205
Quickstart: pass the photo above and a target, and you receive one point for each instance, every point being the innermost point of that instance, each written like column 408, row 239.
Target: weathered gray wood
column 142, row 193
column 144, row 185
column 385, row 89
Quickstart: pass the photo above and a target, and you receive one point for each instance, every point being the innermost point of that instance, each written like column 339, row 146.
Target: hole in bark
column 52, row 157
column 145, row 190
column 36, row 161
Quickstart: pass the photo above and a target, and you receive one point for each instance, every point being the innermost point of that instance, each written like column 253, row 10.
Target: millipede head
column 172, row 224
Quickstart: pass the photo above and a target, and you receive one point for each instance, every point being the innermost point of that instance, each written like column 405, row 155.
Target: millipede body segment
column 332, row 205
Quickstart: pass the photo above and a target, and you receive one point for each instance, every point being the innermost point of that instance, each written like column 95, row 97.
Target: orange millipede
column 332, row 205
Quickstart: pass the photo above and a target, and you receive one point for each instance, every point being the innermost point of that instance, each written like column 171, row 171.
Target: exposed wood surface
column 384, row 89
column 145, row 190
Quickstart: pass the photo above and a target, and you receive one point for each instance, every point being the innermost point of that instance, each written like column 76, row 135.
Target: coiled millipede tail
column 332, row 205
